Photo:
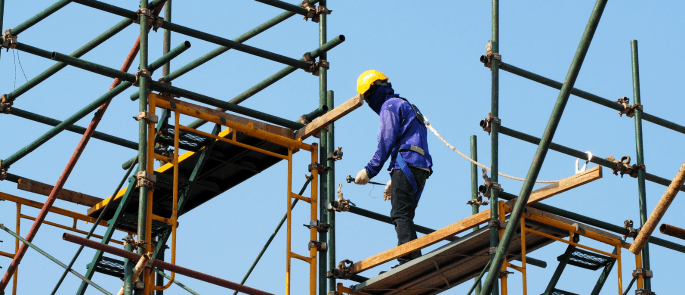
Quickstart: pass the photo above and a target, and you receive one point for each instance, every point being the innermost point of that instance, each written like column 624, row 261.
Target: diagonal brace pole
column 541, row 152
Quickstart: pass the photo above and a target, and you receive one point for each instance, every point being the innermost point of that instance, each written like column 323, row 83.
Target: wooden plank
column 333, row 115
column 562, row 186
column 66, row 195
column 422, row 242
column 282, row 131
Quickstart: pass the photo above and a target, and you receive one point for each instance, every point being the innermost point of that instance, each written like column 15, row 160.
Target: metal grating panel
column 110, row 267
column 561, row 292
column 187, row 140
column 588, row 260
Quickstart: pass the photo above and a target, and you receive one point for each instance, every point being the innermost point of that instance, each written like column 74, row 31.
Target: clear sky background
column 430, row 51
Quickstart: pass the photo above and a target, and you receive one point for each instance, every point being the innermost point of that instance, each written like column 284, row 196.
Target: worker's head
column 375, row 88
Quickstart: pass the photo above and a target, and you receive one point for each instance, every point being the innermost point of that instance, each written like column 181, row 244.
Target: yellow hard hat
column 366, row 79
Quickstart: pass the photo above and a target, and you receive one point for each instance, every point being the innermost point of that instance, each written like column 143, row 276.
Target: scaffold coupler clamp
column 5, row 104
column 489, row 56
column 492, row 250
column 153, row 21
column 337, row 154
column 644, row 292
column 343, row 270
column 485, row 189
column 504, row 273
column 628, row 110
column 632, row 232
column 486, row 123
column 478, row 201
column 3, row 171
column 318, row 225
column 497, row 224
column 313, row 12
column 143, row 179
column 623, row 166
column 319, row 167
column 150, row 118
column 141, row 73
column 9, row 41
column 645, row 273
column 314, row 65
column 340, row 205
column 319, row 246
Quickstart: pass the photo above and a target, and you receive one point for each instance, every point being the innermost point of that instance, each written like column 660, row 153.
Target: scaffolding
column 148, row 208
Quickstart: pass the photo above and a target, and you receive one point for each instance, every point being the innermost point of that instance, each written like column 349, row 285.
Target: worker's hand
column 386, row 192
column 362, row 177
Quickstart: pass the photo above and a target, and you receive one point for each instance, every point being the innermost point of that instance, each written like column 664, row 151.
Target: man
column 402, row 138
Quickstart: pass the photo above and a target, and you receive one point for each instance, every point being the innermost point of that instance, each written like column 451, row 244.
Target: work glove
column 362, row 177
column 386, row 192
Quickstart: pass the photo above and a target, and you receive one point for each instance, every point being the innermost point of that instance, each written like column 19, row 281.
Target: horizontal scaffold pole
column 274, row 78
column 588, row 96
column 595, row 222
column 38, row 17
column 163, row 265
column 285, row 6
column 577, row 153
column 2, row 226
column 89, row 108
column 74, row 128
column 221, row 49
column 78, row 53
column 200, row 35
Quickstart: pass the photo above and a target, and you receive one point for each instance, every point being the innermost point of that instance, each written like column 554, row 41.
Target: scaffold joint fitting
column 152, row 20
column 487, row 123
column 313, row 12
column 492, row 250
column 150, row 118
column 337, row 154
column 632, row 233
column 320, row 246
column 478, row 201
column 9, row 41
column 646, row 273
column 318, row 225
column 143, row 179
column 644, row 292
column 497, row 224
column 315, row 66
column 343, row 270
column 485, row 189
column 141, row 73
column 628, row 110
column 5, row 104
column 3, row 171
column 504, row 273
column 319, row 167
column 489, row 56
column 623, row 166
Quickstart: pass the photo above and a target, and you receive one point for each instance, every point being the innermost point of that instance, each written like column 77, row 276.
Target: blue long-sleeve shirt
column 398, row 126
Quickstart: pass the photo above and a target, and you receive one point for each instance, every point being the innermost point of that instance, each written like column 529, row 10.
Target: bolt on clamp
column 315, row 66
column 478, row 201
column 340, row 205
column 628, row 110
column 152, row 20
column 314, row 12
column 3, row 171
column 632, row 233
column 343, row 270
column 497, row 224
column 492, row 250
column 486, row 123
column 623, row 166
column 141, row 73
column 9, row 41
column 143, row 179
column 337, row 154
column 644, row 292
column 320, row 246
column 318, row 225
column 319, row 167
column 647, row 273
column 486, row 188
column 504, row 273
column 5, row 104
column 489, row 56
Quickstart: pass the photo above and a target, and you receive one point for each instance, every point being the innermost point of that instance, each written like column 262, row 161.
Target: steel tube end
column 186, row 44
column 484, row 59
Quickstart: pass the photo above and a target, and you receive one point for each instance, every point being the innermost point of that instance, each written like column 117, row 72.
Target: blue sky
column 430, row 51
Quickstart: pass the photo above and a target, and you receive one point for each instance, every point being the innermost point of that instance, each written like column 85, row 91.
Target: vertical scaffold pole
column 491, row 280
column 474, row 188
column 165, row 71
column 16, row 247
column 2, row 16
column 642, row 193
column 494, row 136
column 323, row 151
column 330, row 102
column 142, row 138
column 128, row 268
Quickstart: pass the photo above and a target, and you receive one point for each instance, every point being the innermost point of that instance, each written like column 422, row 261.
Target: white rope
column 429, row 126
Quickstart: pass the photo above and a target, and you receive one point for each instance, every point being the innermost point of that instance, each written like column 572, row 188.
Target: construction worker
column 402, row 137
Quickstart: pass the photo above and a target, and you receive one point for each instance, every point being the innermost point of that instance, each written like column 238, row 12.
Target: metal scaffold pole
column 500, row 255
column 323, row 151
column 639, row 149
column 330, row 102
column 142, row 143
column 494, row 141
column 474, row 190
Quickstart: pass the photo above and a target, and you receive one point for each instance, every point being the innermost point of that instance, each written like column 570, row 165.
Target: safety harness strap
column 405, row 168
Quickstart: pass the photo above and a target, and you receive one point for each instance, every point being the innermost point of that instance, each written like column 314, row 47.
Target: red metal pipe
column 163, row 265
column 67, row 170
column 672, row 231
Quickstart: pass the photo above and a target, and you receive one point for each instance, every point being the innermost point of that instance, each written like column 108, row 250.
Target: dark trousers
column 404, row 207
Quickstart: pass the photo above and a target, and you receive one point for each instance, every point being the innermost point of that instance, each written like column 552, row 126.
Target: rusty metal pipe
column 672, row 231
column 163, row 265
column 659, row 211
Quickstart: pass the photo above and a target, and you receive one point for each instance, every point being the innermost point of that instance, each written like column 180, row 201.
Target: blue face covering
column 379, row 94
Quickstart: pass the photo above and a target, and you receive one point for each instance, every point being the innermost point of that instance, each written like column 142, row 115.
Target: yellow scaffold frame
column 229, row 136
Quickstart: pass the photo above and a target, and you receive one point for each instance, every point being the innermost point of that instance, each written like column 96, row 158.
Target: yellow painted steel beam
column 300, row 257
column 530, row 230
column 53, row 209
column 588, row 232
column 233, row 142
column 301, row 198
column 5, row 254
column 69, row 228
